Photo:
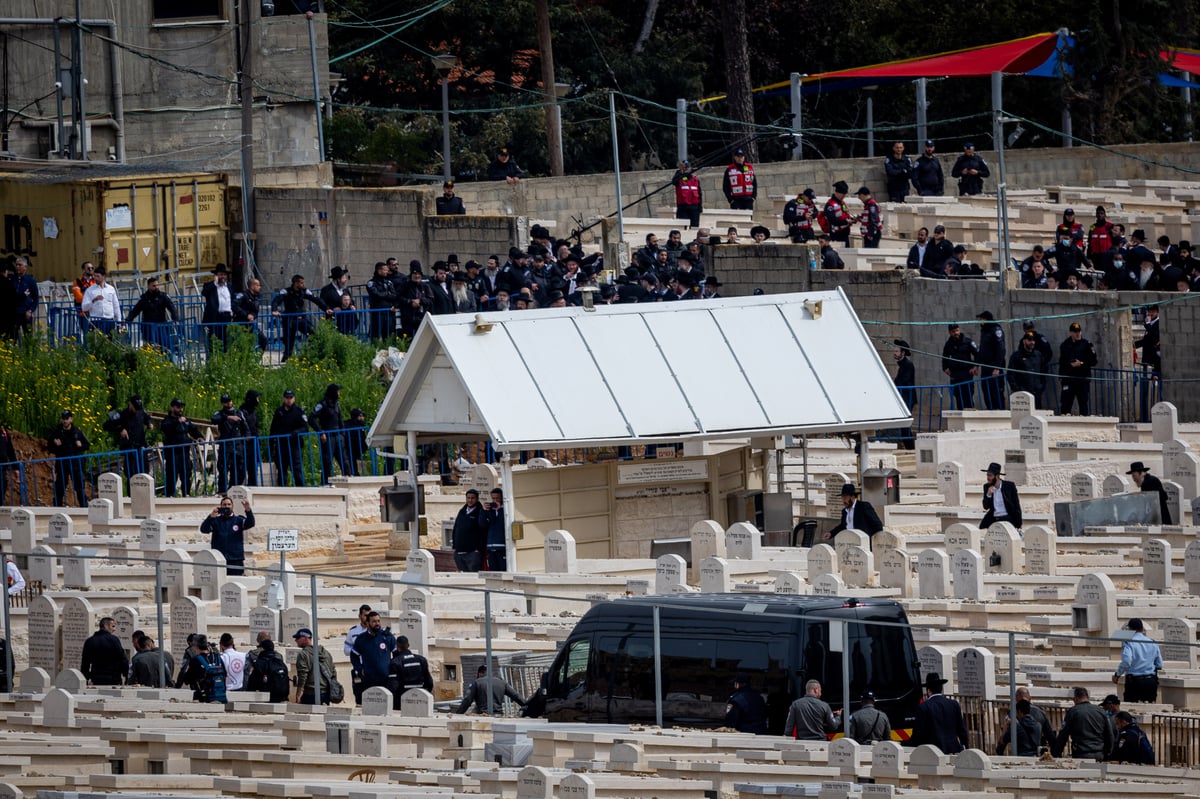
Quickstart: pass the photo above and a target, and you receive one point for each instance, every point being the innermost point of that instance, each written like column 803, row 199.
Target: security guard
column 991, row 361
column 1076, row 357
column 739, row 185
column 286, row 426
column 408, row 670
column 959, row 356
column 746, row 711
column 689, row 200
column 836, row 217
column 448, row 204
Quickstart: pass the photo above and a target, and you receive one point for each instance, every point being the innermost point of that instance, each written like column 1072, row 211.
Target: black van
column 605, row 670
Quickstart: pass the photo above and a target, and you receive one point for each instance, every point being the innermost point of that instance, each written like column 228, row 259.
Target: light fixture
column 589, row 297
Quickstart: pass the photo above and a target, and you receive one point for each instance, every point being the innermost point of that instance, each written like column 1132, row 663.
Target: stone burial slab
column 1002, row 549
column 44, row 618
column 152, row 536
column 708, row 541
column 1191, row 567
column 61, row 528
column 714, row 576
column 850, row 538
column 416, row 703
column 1041, row 550
column 1034, row 439
column 417, row 627
column 1119, row 510
column 419, row 567
column 1095, row 606
column 377, row 701
column 1115, row 484
column 822, row 559
column 1179, row 641
column 966, row 569
column 126, row 620
column 858, row 566
column 79, row 621
column 743, row 541
column 111, row 487
column 43, row 566
column 263, row 620
column 935, row 659
column 188, row 615
column 208, row 573
column 895, row 571
column 1084, row 485
column 560, row 552
column 100, row 514
column 418, row 599
column 176, row 571
column 669, row 574
column 962, row 536
column 1164, row 422
column 233, row 600
column 951, row 483
column 828, row 585
column 141, row 496
column 933, row 574
column 1180, row 465
column 77, row 571
column 24, row 530
column 791, row 583
column 1156, row 565
column 1021, row 404
column 975, row 672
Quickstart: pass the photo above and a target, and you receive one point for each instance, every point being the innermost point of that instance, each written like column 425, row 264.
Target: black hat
column 449, row 184
column 848, row 490
column 952, row 326
column 987, row 315
column 452, row 258
column 502, row 151
column 1137, row 466
column 461, row 277
column 862, row 190
column 993, row 468
column 224, row 398
column 739, row 151
column 473, row 264
column 1070, row 211
column 1111, row 699
column 414, row 264
column 759, row 292
column 650, row 278
column 439, row 265
column 712, row 281
column 515, row 252
column 219, row 269
column 868, row 696
column 1074, row 328
column 934, row 680
column 539, row 232
column 683, row 256
column 289, row 393
column 929, row 143
column 939, row 228
column 177, row 403
column 1028, row 324
column 809, row 193
column 968, row 145
column 303, row 632
column 553, row 296
column 336, row 272
column 252, row 395
column 841, row 187
column 415, row 268
column 763, row 229
column 356, row 412
column 903, row 345
column 67, row 415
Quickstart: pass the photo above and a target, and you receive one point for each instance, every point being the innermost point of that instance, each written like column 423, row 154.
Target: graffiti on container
column 18, row 236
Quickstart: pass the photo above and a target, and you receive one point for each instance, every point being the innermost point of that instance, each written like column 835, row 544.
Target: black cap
column 985, row 315
column 959, row 248
column 809, row 193
column 449, row 184
column 252, row 395
column 1074, row 328
column 267, row 646
column 841, row 187
column 1028, row 324
column 968, row 145
column 862, row 190
column 224, row 398
column 951, row 326
column 303, row 632
column 67, row 415
column 177, row 403
column 929, row 143
column 868, row 696
column 289, row 393
column 1111, row 699
column 739, row 151
column 1070, row 211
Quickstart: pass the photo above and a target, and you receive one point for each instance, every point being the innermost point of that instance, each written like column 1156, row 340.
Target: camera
column 225, row 511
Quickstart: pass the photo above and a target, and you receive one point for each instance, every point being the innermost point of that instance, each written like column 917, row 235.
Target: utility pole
column 553, row 124
column 246, row 84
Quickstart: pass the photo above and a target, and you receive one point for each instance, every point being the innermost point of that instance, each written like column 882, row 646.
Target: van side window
column 575, row 664
column 821, row 664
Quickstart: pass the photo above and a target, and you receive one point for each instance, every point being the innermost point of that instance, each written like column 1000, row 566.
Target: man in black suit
column 856, row 514
column 905, row 380
column 940, row 719
column 331, row 293
column 218, row 306
column 1000, row 499
column 1148, row 482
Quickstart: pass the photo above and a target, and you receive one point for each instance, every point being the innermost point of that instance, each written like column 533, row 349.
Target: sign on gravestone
column 886, row 539
column 176, row 573
column 78, row 622
column 669, row 571
column 419, row 568
column 858, row 566
column 418, row 599
column 1115, row 484
column 843, row 753
column 1041, row 550
column 283, row 540
column 77, row 571
column 100, row 514
column 833, row 492
column 886, row 758
column 894, row 570
column 822, row 559
column 1191, row 567
column 1002, row 551
column 828, row 585
column 975, row 671
column 416, row 703
column 933, row 574
column 1186, row 472
column 61, row 528
column 188, row 615
column 233, row 600
column 152, row 535
column 126, row 621
column 967, row 569
column 850, row 538
column 483, row 478
column 962, row 536
column 560, row 552
column 950, row 484
column 743, row 541
column 43, row 566
column 110, row 486
column 295, row 619
column 1156, row 565
column 141, row 496
column 208, row 573
column 935, row 659
column 263, row 620
column 577, row 786
column 714, row 576
column 789, row 583
column 1175, row 503
column 1095, row 608
column 1084, row 485
column 1015, row 467
column 369, row 741
column 1164, row 422
column 44, row 615
column 1179, row 641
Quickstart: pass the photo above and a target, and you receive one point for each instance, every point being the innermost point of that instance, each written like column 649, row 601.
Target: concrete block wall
column 1179, row 324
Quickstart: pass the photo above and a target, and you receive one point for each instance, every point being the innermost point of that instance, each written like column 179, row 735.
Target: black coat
column 154, row 306
column 970, row 184
column 179, row 430
column 927, row 177
column 959, row 357
column 940, row 722
column 67, row 442
column 865, row 519
column 289, row 421
column 1072, row 351
column 936, row 254
column 135, row 423
column 470, row 532
column 212, row 303
column 1027, row 371
column 1012, row 504
column 104, row 660
column 1152, row 483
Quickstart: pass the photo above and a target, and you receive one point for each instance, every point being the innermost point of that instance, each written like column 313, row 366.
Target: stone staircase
column 364, row 550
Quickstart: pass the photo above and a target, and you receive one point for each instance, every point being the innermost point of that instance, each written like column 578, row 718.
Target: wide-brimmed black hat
column 903, row 345
column 219, row 269
column 461, row 277
column 713, row 282
column 763, row 229
column 934, row 680
column 993, row 468
column 1137, row 466
column 848, row 490
column 841, row 187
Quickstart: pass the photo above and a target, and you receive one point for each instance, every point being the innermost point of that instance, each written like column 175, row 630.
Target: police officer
column 970, row 169
column 178, row 433
column 286, row 426
column 991, row 361
column 798, row 215
column 246, row 306
column 898, row 168
column 381, row 299
column 154, row 306
column 408, row 670
column 327, row 420
column 292, row 301
column 745, row 710
column 738, row 184
column 130, row 427
column 1076, row 357
column 689, row 200
column 248, row 465
column 231, row 429
column 448, row 204
column 959, row 356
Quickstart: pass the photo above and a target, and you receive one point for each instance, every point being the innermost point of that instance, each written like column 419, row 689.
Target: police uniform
column 1076, row 380
column 407, row 671
column 959, row 358
column 286, row 427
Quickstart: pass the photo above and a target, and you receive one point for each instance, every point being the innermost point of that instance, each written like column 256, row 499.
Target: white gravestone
column 828, row 585
column 78, row 623
column 415, row 625
column 152, row 536
column 126, row 621
column 1175, row 503
column 176, row 571
column 24, row 535
column 1015, row 468
column 43, row 566
column 895, row 571
column 233, row 600
column 967, row 569
column 886, row 759
column 858, row 566
column 934, row 659
column 975, row 672
column 560, row 552
column 1002, row 550
column 822, row 559
column 141, row 496
column 1095, row 607
column 1164, row 422
column 188, row 615
column 1179, row 465
column 950, row 484
column 886, row 539
column 377, row 701
column 61, row 528
column 1191, row 567
column 77, row 571
column 577, row 786
column 294, row 619
column 71, row 680
column 1033, row 439
column 714, row 576
column 416, row 703
column 850, row 538
column 1179, row 641
column 1115, row 484
column 669, row 574
column 44, row 652
column 962, row 536
column 58, row 709
column 1084, row 485
column 483, row 478
column 790, row 583
column 534, row 782
column 833, row 491
column 743, row 541
column 208, row 573
column 419, row 567
column 1020, row 404
column 110, row 486
column 708, row 541
column 1041, row 550
column 34, row 681
column 100, row 514
column 1156, row 565
column 263, row 620
column 844, row 755
column 933, row 574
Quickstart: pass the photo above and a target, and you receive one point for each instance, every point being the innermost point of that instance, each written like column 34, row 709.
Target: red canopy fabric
column 1015, row 57
column 1186, row 60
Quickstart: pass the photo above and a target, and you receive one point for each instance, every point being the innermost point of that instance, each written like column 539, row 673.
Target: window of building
column 167, row 10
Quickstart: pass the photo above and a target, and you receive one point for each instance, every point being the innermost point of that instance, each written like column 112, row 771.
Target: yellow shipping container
column 142, row 224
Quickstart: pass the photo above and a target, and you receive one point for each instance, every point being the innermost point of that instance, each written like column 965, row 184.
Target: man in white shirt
column 16, row 583
column 101, row 304
column 356, row 682
column 235, row 663
column 218, row 306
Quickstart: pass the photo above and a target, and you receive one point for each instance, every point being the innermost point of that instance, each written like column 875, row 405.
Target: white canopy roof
column 640, row 373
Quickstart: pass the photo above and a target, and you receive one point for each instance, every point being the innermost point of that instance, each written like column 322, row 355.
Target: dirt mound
column 38, row 473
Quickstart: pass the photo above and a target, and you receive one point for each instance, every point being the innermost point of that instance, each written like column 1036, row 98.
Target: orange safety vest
column 741, row 181
column 688, row 191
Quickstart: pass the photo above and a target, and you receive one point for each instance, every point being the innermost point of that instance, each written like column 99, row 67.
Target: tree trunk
column 553, row 132
column 737, row 74
column 647, row 26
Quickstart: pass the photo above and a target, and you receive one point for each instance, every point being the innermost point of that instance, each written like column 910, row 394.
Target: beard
column 462, row 295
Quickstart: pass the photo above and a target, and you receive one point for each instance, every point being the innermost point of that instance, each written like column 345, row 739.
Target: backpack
column 336, row 692
column 212, row 684
column 275, row 678
column 823, row 221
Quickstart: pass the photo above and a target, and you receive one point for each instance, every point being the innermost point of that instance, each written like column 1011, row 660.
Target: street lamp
column 445, row 64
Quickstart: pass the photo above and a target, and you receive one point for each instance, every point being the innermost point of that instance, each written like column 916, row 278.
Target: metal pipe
column 506, row 484
column 174, row 226
column 158, row 245
column 797, row 101
column 312, row 47
column 922, row 109
column 133, row 212
column 158, row 603
column 8, row 639
column 681, row 142
column 316, row 639
column 446, row 173
column 870, row 123
column 58, row 88
column 487, row 645
column 1012, row 694
column 845, row 677
column 658, row 696
column 414, row 527
column 612, row 118
column 80, row 83
column 196, row 225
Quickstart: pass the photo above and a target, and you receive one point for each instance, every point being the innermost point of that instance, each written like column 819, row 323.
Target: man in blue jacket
column 374, row 647
column 493, row 522
column 26, row 288
column 229, row 533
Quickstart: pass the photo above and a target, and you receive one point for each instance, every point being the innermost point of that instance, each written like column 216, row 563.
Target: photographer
column 492, row 521
column 228, row 533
